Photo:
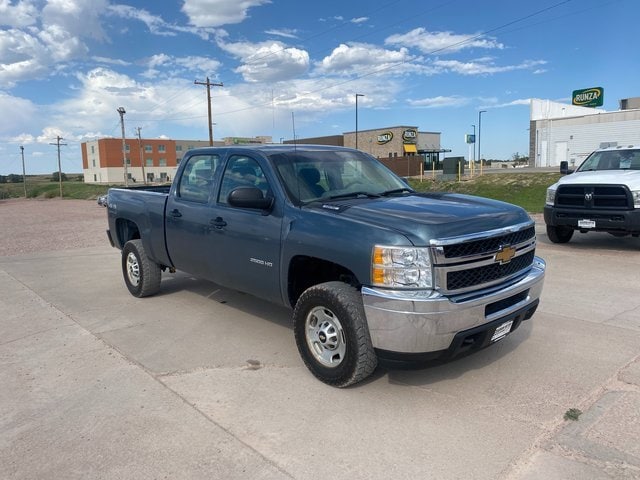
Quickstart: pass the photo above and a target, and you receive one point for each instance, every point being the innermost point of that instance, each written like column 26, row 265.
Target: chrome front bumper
column 427, row 321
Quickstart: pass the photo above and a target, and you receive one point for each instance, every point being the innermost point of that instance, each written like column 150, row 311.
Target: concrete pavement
column 203, row 382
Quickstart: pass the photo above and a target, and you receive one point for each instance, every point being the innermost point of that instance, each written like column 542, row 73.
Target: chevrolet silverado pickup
column 371, row 268
column 602, row 195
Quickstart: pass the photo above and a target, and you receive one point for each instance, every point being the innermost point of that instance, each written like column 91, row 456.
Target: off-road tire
column 341, row 315
column 141, row 275
column 559, row 234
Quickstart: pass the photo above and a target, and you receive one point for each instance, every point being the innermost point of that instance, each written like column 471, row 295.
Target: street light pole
column 474, row 143
column 357, row 95
column 24, row 176
column 122, row 111
column 479, row 127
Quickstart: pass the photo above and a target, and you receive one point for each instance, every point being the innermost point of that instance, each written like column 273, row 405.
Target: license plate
column 586, row 223
column 502, row 331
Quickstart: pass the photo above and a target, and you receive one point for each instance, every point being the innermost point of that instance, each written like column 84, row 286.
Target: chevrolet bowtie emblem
column 505, row 254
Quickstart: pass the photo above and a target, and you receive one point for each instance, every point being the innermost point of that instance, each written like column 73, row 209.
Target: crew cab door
column 188, row 215
column 247, row 254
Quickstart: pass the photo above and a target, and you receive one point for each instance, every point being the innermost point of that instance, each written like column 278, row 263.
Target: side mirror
column 564, row 168
column 249, row 197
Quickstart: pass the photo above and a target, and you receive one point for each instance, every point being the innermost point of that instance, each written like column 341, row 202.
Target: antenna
column 293, row 124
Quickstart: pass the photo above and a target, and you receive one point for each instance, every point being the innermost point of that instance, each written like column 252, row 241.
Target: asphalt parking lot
column 203, row 382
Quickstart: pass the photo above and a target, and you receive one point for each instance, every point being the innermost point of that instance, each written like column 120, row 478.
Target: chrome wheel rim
column 133, row 269
column 325, row 337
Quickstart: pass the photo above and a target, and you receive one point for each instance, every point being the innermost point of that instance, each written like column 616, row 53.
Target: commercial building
column 155, row 160
column 561, row 132
column 403, row 148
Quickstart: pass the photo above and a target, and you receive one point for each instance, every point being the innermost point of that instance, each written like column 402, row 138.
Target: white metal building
column 561, row 132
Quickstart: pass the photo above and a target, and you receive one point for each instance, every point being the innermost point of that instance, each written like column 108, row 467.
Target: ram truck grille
column 469, row 263
column 594, row 197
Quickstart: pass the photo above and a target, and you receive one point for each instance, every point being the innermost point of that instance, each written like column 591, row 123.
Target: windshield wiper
column 397, row 190
column 355, row 195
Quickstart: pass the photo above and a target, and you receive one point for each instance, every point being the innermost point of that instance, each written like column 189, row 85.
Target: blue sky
column 67, row 65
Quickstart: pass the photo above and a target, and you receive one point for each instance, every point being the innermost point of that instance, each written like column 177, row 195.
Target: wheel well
column 126, row 230
column 305, row 272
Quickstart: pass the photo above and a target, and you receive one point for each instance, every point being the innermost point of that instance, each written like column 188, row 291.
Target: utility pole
column 358, row 95
column 479, row 127
column 122, row 111
column 144, row 177
column 208, row 84
column 24, row 176
column 58, row 138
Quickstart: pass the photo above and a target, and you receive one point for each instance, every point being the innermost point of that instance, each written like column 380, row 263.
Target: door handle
column 218, row 222
column 175, row 213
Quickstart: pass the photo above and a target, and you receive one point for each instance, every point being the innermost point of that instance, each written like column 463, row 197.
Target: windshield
column 612, row 160
column 327, row 175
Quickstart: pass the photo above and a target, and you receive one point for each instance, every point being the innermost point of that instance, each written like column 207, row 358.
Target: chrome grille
column 468, row 263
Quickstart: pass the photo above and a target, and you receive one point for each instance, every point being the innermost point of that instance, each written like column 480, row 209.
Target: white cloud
column 35, row 50
column 23, row 14
column 269, row 61
column 21, row 113
column 215, row 13
column 483, row 66
column 169, row 66
column 283, row 32
column 513, row 103
column 359, row 20
column 441, row 101
column 77, row 18
column 351, row 59
column 430, row 42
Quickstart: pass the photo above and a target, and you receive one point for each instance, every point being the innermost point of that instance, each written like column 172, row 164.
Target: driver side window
column 242, row 171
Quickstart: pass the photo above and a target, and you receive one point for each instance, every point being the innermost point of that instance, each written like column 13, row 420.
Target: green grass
column 41, row 186
column 524, row 189
column 527, row 190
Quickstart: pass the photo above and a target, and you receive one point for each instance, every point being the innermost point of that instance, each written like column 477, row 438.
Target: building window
column 128, row 161
column 149, row 177
column 148, row 148
column 163, row 162
column 161, row 148
column 163, row 176
column 94, row 163
column 127, row 148
column 95, row 177
column 149, row 162
column 93, row 149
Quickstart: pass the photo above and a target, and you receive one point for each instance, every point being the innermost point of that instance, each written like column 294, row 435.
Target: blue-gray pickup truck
column 372, row 269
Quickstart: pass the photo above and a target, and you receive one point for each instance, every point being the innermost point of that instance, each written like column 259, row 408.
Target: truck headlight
column 636, row 198
column 551, row 196
column 403, row 267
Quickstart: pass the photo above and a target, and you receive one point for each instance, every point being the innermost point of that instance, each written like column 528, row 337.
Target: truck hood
column 423, row 217
column 630, row 178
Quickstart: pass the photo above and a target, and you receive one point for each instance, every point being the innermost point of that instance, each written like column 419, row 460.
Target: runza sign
column 588, row 97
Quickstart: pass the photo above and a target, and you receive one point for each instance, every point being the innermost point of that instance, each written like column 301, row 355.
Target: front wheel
column 332, row 335
column 141, row 275
column 559, row 234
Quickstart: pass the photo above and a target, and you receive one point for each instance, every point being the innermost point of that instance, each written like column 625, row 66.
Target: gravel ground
column 30, row 225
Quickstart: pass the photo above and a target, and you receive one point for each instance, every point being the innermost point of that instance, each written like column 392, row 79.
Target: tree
column 13, row 178
column 55, row 178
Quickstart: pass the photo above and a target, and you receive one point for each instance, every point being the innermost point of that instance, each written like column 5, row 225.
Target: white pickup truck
column 602, row 195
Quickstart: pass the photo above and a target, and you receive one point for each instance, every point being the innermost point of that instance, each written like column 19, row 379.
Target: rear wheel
column 332, row 334
column 141, row 275
column 559, row 234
